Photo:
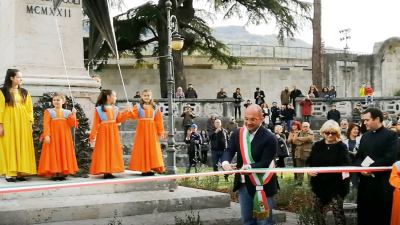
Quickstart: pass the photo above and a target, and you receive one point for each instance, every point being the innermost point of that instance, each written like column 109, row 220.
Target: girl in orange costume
column 146, row 155
column 58, row 153
column 107, row 155
column 395, row 182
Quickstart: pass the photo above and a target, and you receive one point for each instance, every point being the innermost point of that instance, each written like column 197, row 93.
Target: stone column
column 30, row 43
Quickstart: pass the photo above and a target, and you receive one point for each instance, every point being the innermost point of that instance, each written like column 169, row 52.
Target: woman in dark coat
column 329, row 188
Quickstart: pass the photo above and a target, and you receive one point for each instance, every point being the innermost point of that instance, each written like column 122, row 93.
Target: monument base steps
column 133, row 203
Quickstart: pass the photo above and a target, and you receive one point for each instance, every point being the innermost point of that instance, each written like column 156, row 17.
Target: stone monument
column 29, row 42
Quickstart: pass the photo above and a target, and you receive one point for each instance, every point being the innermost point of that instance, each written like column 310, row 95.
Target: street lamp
column 345, row 36
column 174, row 42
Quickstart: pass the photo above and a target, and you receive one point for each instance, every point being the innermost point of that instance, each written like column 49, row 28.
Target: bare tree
column 316, row 51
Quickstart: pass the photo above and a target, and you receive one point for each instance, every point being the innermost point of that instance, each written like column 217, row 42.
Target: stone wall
column 271, row 75
column 380, row 69
column 204, row 108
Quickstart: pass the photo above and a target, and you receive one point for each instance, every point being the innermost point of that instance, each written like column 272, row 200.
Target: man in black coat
column 264, row 146
column 218, row 139
column 259, row 96
column 374, row 197
column 295, row 93
column 190, row 92
column 334, row 114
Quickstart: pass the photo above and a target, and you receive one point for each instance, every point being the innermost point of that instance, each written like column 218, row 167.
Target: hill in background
column 239, row 35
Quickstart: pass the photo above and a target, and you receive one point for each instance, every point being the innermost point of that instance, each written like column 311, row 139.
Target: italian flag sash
column 260, row 205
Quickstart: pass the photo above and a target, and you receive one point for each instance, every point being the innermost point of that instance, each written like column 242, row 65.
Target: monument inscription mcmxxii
column 49, row 10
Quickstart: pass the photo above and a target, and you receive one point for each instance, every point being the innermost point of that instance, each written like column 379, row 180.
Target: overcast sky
column 370, row 21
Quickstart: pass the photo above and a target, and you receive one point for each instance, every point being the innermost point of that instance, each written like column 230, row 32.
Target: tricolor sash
column 260, row 204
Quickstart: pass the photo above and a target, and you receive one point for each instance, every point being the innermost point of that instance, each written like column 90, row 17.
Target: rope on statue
column 116, row 52
column 65, row 69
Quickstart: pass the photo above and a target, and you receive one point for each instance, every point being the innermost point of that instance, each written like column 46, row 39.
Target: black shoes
column 108, row 176
column 58, row 178
column 11, row 179
column 150, row 173
column 21, row 179
column 15, row 179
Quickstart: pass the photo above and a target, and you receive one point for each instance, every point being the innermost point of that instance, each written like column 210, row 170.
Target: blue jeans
column 246, row 208
column 216, row 158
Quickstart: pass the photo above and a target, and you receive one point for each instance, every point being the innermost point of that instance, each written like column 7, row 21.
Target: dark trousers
column 306, row 118
column 280, row 162
column 238, row 112
column 185, row 130
column 192, row 159
column 204, row 157
column 216, row 158
column 336, row 205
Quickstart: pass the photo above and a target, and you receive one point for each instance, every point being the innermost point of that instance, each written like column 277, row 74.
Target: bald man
column 255, row 147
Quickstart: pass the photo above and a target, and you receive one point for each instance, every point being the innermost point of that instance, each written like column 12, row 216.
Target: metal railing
column 262, row 51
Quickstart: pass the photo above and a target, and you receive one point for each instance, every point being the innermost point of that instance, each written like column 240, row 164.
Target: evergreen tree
column 146, row 24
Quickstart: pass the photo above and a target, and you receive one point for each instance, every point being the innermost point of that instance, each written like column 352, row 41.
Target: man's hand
column 246, row 167
column 227, row 166
column 312, row 174
column 1, row 130
column 367, row 174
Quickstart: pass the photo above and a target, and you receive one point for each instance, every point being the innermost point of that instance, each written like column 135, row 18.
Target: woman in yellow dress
column 16, row 119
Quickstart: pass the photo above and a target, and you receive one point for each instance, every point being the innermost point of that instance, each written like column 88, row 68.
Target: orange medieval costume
column 58, row 156
column 107, row 154
column 146, row 153
column 395, row 182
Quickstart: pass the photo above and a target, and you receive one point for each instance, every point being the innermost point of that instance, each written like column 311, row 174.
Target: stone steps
column 83, row 190
column 217, row 216
column 96, row 206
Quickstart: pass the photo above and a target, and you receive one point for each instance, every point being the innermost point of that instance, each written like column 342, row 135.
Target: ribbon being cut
column 136, row 179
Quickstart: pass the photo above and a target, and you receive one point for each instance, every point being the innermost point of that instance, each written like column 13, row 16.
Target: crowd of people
column 269, row 135
column 368, row 143
column 369, row 135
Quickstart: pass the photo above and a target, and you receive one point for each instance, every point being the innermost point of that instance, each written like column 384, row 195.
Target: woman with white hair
column 329, row 188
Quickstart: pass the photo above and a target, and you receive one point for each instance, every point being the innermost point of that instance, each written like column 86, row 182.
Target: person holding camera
column 188, row 116
column 193, row 139
column 259, row 96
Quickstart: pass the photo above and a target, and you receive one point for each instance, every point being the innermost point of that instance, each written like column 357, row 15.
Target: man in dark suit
column 378, row 147
column 259, row 96
column 263, row 147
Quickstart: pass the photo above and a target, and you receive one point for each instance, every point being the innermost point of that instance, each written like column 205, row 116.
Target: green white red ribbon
column 26, row 186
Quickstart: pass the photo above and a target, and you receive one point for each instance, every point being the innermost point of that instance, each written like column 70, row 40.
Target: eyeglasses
column 330, row 133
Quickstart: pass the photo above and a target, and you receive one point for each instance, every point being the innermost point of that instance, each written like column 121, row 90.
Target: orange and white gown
column 58, row 156
column 395, row 182
column 107, row 156
column 146, row 152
